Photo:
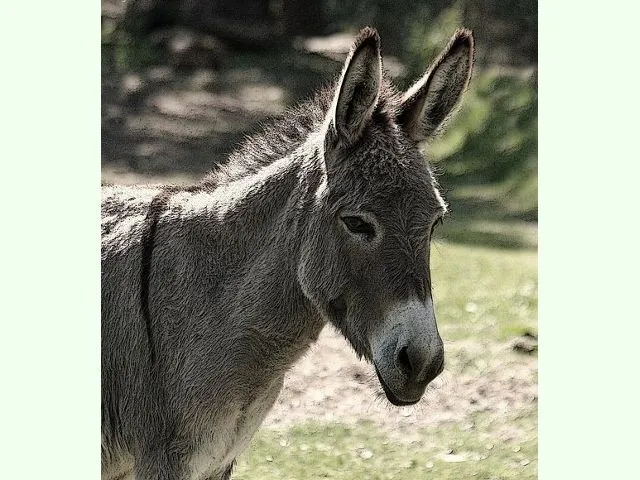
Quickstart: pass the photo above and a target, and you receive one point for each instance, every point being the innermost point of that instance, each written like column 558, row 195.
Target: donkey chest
column 231, row 435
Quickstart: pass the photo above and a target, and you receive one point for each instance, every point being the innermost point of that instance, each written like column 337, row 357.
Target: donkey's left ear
column 427, row 104
column 358, row 90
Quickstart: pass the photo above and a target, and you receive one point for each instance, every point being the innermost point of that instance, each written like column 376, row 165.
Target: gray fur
column 245, row 269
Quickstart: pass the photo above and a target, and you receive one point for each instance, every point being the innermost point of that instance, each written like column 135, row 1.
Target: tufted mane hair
column 288, row 131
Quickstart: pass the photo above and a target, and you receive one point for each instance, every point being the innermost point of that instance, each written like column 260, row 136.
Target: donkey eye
column 358, row 226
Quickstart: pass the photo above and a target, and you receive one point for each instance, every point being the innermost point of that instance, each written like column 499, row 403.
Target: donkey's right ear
column 358, row 90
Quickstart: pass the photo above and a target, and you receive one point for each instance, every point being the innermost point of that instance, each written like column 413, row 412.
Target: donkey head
column 365, row 260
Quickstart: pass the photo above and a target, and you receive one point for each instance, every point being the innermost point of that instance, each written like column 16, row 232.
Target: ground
column 331, row 385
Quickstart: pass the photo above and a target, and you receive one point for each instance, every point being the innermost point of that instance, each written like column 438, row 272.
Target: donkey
column 211, row 292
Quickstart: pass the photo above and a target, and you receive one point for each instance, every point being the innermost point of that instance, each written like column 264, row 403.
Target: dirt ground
column 330, row 384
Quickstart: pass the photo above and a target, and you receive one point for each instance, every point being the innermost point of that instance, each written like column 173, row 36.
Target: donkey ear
column 358, row 89
column 427, row 104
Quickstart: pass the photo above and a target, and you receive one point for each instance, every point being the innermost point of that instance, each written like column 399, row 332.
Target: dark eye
column 359, row 226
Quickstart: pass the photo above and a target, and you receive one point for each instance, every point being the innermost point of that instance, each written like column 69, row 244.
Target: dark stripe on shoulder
column 158, row 205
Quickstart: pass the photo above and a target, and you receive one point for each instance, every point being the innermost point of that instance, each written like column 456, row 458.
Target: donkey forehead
column 387, row 172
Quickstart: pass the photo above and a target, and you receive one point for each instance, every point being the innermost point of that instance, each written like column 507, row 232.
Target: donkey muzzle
column 408, row 354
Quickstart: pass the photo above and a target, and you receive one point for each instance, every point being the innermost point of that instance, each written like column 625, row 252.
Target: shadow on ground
column 163, row 123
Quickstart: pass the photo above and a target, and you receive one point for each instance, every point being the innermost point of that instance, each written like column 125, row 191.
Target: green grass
column 342, row 452
column 484, row 293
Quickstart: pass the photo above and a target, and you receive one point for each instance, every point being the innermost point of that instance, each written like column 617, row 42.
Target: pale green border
column 589, row 320
column 50, row 300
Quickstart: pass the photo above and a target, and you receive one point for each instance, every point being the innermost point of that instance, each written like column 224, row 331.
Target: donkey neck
column 226, row 271
column 251, row 229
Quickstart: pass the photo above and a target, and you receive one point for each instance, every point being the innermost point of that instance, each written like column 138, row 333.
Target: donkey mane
column 289, row 130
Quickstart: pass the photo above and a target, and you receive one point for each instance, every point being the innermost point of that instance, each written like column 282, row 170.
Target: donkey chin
column 408, row 352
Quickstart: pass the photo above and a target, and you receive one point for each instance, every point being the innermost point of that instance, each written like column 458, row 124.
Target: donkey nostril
column 404, row 362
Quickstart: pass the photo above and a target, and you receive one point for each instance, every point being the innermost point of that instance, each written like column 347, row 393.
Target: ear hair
column 358, row 90
column 427, row 104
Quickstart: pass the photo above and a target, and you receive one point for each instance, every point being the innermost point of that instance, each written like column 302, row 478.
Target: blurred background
column 184, row 81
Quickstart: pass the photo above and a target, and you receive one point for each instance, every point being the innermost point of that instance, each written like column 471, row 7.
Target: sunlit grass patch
column 484, row 293
column 479, row 449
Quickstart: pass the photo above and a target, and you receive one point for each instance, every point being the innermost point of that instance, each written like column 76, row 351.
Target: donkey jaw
column 338, row 313
column 391, row 396
column 338, row 310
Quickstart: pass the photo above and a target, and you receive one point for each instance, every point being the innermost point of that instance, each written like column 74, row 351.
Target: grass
column 483, row 292
column 337, row 451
